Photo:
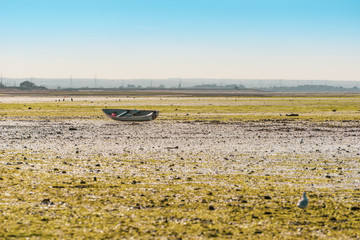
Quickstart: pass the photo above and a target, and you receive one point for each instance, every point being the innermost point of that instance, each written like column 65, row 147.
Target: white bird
column 304, row 201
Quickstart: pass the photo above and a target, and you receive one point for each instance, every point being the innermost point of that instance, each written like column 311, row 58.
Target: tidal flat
column 206, row 168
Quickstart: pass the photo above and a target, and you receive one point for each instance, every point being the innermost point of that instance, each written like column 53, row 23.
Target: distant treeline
column 214, row 86
column 313, row 88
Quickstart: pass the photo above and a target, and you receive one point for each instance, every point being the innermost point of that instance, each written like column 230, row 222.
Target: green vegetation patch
column 225, row 109
column 44, row 197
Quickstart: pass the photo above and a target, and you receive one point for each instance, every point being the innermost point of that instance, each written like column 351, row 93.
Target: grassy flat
column 210, row 167
column 225, row 109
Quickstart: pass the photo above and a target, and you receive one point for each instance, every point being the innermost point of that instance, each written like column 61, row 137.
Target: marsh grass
column 46, row 195
column 59, row 198
column 195, row 109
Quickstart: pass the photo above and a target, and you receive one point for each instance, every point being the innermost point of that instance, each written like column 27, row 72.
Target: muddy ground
column 231, row 148
column 320, row 158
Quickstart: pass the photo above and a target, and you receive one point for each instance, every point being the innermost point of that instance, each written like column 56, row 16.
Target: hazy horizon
column 188, row 39
column 53, row 83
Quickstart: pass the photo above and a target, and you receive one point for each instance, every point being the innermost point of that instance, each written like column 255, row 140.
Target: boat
column 130, row 114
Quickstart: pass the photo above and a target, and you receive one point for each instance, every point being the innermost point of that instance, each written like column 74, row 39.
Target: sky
column 128, row 39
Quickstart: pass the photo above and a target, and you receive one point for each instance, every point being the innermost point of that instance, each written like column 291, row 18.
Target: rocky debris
column 355, row 208
column 46, row 201
column 251, row 148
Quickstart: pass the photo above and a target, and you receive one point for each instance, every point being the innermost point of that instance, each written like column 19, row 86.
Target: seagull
column 303, row 201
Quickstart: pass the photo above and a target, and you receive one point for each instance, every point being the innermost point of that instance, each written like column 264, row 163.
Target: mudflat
column 181, row 178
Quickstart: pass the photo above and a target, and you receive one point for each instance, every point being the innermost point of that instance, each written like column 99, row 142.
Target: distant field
column 227, row 109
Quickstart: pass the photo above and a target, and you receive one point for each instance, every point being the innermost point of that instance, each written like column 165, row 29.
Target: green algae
column 64, row 198
column 225, row 109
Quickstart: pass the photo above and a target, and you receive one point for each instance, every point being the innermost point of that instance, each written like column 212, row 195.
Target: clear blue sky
column 268, row 39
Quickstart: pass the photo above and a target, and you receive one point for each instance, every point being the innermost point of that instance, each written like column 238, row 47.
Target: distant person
column 113, row 114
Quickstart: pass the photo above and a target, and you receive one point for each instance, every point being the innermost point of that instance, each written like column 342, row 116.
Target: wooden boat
column 130, row 114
